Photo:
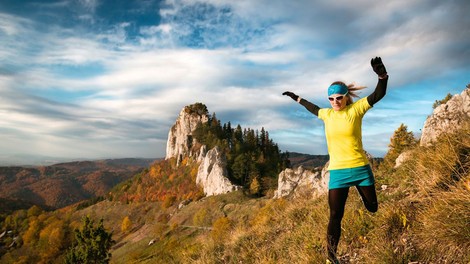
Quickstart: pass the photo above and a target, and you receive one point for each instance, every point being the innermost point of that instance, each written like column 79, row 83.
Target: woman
column 348, row 162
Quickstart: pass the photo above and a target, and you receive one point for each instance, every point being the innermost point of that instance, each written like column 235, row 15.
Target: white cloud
column 237, row 57
column 89, row 5
column 10, row 25
column 162, row 28
column 73, row 50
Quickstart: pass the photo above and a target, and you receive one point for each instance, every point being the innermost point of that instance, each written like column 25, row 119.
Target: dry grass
column 443, row 224
column 442, row 165
column 444, row 227
column 280, row 232
column 424, row 216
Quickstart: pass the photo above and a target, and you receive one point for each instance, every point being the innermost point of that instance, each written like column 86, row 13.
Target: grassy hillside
column 424, row 215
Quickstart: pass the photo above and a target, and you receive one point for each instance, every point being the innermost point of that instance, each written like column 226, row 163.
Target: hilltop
column 162, row 216
column 63, row 184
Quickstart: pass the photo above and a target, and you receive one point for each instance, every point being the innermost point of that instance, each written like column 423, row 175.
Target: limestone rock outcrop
column 212, row 173
column 447, row 117
column 180, row 140
column 299, row 181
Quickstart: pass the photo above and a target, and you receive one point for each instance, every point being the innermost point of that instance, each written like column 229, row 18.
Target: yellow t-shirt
column 343, row 130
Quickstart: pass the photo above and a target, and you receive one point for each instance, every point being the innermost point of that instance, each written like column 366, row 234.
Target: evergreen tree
column 401, row 141
column 92, row 244
column 197, row 108
column 238, row 134
column 240, row 168
column 263, row 138
column 249, row 153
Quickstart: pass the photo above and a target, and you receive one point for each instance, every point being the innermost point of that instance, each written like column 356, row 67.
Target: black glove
column 291, row 95
column 378, row 67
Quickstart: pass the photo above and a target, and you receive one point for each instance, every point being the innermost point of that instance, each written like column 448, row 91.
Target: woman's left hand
column 378, row 67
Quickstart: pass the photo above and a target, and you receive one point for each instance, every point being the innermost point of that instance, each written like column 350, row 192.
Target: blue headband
column 337, row 89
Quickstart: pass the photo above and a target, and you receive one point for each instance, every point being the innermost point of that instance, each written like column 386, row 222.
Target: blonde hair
column 352, row 91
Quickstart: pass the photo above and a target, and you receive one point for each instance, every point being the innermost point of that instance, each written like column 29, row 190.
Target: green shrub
column 443, row 101
column 93, row 244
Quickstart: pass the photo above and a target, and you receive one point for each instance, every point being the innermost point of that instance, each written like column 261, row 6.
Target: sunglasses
column 337, row 98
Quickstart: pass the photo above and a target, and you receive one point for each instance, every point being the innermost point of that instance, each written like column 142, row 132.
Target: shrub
column 92, row 244
column 126, row 224
column 255, row 186
column 443, row 101
column 220, row 229
column 168, row 201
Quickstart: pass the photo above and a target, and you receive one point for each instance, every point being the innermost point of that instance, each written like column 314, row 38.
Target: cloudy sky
column 107, row 79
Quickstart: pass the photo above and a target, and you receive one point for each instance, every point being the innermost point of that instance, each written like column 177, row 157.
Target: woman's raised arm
column 312, row 108
column 381, row 87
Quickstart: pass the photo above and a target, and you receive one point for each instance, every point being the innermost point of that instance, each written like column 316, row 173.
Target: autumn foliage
column 163, row 182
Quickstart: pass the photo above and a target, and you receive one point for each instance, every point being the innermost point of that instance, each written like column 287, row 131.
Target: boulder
column 297, row 181
column 404, row 156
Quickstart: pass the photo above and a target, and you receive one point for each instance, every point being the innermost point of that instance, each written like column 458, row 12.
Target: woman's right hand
column 291, row 95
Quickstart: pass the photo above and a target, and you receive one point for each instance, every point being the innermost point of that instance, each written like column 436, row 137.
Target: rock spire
column 180, row 139
column 212, row 174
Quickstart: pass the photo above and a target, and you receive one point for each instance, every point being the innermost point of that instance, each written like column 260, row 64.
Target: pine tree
column 92, row 244
column 240, row 168
column 401, row 141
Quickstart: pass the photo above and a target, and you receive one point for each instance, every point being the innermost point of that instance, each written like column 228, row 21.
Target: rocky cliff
column 212, row 173
column 180, row 140
column 447, row 117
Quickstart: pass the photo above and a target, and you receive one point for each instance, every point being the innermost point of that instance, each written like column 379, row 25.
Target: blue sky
column 107, row 79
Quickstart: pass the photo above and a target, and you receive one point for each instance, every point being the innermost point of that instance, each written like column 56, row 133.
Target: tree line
column 254, row 161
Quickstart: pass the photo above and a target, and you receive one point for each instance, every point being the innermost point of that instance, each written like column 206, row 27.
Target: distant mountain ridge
column 63, row 184
column 307, row 160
